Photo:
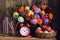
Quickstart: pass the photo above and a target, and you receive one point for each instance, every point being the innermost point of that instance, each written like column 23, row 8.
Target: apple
column 21, row 25
column 52, row 31
column 27, row 25
column 44, row 26
column 48, row 29
column 40, row 31
column 39, row 28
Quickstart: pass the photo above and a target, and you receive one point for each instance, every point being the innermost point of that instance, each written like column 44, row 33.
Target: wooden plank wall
column 12, row 4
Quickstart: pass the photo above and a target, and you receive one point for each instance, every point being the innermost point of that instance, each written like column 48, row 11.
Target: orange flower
column 50, row 16
column 21, row 9
column 40, row 21
column 43, row 6
column 29, row 13
column 42, row 12
column 46, row 15
column 33, row 17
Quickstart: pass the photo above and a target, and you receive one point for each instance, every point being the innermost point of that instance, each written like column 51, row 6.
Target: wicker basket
column 45, row 35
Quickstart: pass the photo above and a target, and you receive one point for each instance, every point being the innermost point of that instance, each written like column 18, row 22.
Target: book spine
column 9, row 29
column 3, row 26
column 7, row 24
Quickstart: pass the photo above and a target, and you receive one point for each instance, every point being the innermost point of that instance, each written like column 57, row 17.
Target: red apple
column 27, row 25
column 48, row 29
column 39, row 28
column 21, row 25
column 41, row 31
column 44, row 26
column 46, row 32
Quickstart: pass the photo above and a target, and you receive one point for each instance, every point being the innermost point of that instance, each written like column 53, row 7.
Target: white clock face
column 24, row 31
column 20, row 19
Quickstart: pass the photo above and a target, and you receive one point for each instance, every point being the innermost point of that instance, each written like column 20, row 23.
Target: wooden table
column 22, row 38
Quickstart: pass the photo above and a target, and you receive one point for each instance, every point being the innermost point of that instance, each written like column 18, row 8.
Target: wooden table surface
column 22, row 38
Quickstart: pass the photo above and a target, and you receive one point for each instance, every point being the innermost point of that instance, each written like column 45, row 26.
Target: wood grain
column 24, row 38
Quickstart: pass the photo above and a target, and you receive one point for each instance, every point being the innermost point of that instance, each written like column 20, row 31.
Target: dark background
column 56, row 7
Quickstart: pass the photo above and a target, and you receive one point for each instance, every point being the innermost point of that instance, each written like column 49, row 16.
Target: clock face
column 20, row 19
column 24, row 31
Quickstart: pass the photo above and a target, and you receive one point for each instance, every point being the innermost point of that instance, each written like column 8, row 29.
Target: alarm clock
column 24, row 31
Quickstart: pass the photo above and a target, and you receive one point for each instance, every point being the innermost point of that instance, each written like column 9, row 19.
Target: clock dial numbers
column 24, row 31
